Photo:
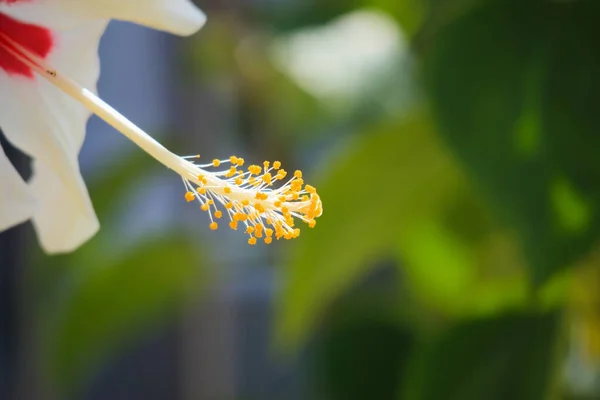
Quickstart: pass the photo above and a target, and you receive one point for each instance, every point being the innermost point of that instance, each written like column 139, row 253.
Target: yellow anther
column 252, row 241
column 282, row 198
column 276, row 165
column 266, row 165
column 245, row 202
column 254, row 169
column 289, row 221
column 189, row 196
column 239, row 181
column 204, row 207
column 233, row 159
column 298, row 174
column 210, row 202
column 214, row 226
column 285, row 210
column 218, row 214
column 269, row 232
column 305, row 198
column 202, row 179
column 240, row 162
column 233, row 225
column 281, row 174
column 267, row 178
column 250, row 230
column 310, row 189
column 229, row 206
column 216, row 162
column 201, row 190
column 231, row 172
column 268, row 240
column 277, row 204
column 312, row 223
column 259, row 207
column 227, row 190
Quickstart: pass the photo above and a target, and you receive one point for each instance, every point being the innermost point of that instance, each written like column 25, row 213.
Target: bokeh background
column 456, row 147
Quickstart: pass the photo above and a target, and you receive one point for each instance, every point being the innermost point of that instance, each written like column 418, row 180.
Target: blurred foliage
column 513, row 85
column 100, row 299
column 486, row 197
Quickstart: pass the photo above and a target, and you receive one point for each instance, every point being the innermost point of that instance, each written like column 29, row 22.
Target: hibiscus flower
column 48, row 71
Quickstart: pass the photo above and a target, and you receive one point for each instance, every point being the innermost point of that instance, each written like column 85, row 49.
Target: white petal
column 50, row 127
column 16, row 203
column 180, row 17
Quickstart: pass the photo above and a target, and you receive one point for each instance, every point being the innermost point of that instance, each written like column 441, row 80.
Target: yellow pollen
column 267, row 178
column 231, row 172
column 267, row 209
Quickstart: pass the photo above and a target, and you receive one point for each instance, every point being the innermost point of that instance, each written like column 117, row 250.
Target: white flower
column 48, row 57
column 47, row 124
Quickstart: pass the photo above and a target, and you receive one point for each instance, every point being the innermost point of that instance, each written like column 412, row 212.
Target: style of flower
column 48, row 71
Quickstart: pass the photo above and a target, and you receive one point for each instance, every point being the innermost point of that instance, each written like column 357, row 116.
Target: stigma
column 263, row 201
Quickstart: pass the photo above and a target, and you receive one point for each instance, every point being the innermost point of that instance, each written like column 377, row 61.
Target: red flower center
column 36, row 39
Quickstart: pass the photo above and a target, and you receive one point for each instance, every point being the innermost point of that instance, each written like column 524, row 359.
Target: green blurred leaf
column 105, row 304
column 513, row 86
column 386, row 178
column 295, row 15
column 362, row 350
column 398, row 192
column 506, row 357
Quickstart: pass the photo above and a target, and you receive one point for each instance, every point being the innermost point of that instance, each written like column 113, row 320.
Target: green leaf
column 362, row 349
column 106, row 304
column 409, row 13
column 513, row 86
column 384, row 179
column 504, row 357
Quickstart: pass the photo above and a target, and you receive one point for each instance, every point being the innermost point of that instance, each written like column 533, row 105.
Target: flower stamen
column 248, row 197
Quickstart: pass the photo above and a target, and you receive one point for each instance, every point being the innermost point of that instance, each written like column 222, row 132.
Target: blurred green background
column 456, row 147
